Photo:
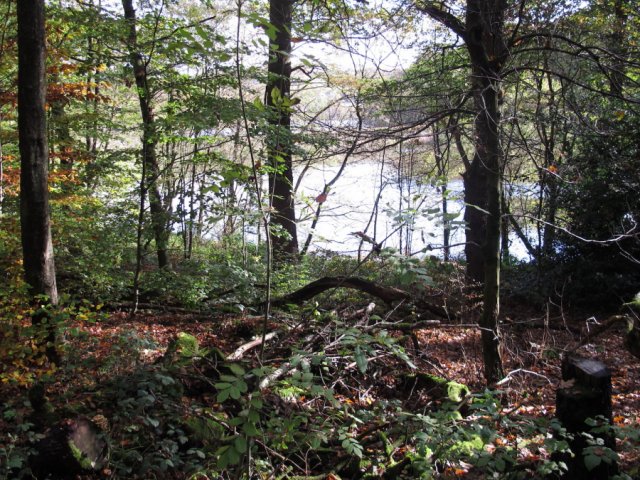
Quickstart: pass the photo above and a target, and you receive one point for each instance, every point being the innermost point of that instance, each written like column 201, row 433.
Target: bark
column 475, row 200
column 61, row 135
column 159, row 216
column 483, row 35
column 485, row 42
column 37, row 247
column 242, row 349
column 549, row 187
column 473, row 181
column 281, row 195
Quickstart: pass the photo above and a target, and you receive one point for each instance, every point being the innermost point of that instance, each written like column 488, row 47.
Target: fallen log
column 438, row 388
column 389, row 295
column 386, row 294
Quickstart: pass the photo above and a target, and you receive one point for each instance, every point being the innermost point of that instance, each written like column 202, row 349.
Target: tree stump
column 70, row 448
column 585, row 392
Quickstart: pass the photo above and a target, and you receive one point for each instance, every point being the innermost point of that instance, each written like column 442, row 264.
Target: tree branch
column 435, row 11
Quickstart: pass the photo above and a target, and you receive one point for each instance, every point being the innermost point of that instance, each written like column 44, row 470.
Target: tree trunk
column 483, row 35
column 442, row 168
column 473, row 181
column 619, row 47
column 485, row 42
column 475, row 199
column 505, row 254
column 279, row 140
column 37, row 247
column 159, row 216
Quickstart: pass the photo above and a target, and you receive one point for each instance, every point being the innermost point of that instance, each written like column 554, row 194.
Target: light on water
column 352, row 199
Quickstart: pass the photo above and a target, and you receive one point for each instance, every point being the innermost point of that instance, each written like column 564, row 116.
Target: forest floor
column 531, row 357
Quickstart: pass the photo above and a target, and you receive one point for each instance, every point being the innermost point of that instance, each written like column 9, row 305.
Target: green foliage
column 407, row 271
column 602, row 204
column 152, row 436
column 94, row 249
column 16, row 448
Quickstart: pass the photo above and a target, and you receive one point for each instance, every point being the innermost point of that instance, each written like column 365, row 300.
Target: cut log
column 584, row 393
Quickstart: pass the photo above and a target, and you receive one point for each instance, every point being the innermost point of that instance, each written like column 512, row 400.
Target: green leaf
column 592, row 461
column 234, row 456
column 242, row 386
column 250, row 429
column 15, row 462
column 361, row 359
column 153, row 422
column 223, row 459
column 253, row 416
column 236, row 369
column 240, row 444
column 258, row 105
column 222, row 396
column 276, row 95
column 234, row 393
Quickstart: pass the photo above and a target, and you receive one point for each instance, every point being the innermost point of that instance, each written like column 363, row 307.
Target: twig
column 507, row 378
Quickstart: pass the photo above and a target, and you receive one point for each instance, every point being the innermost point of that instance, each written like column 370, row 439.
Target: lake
column 408, row 213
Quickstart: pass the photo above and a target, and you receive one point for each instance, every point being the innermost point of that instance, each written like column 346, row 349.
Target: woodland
column 179, row 300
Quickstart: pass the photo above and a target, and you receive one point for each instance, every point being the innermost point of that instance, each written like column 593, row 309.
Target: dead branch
column 242, row 349
column 276, row 375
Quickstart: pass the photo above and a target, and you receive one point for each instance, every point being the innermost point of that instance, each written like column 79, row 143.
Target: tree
column 37, row 247
column 483, row 35
column 279, row 142
column 159, row 214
